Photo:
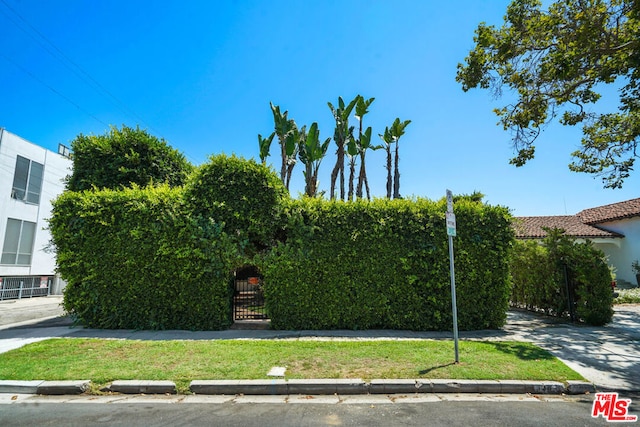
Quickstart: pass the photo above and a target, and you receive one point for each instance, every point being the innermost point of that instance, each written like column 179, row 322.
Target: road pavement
column 254, row 411
column 607, row 356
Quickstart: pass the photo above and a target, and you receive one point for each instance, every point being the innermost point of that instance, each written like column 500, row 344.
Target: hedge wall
column 245, row 196
column 138, row 259
column 385, row 264
column 563, row 278
column 162, row 258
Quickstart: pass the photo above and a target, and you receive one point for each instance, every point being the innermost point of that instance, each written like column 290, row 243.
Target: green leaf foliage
column 311, row 152
column 265, row 145
column 385, row 264
column 555, row 58
column 163, row 257
column 123, row 157
column 562, row 278
column 244, row 196
column 137, row 259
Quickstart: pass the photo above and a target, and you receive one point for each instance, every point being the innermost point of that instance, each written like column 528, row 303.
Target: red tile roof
column 612, row 212
column 531, row 227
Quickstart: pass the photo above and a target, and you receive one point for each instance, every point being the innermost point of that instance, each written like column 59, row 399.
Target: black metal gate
column 248, row 300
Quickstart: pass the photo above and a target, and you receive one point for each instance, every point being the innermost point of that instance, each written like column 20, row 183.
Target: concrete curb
column 309, row 386
column 63, row 387
column 19, row 387
column 232, row 387
column 142, row 387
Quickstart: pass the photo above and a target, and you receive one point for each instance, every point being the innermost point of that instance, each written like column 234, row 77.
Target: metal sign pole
column 451, row 231
column 453, row 299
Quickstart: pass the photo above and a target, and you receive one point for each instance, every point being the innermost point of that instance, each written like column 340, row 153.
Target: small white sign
column 449, row 201
column 451, row 224
column 277, row 371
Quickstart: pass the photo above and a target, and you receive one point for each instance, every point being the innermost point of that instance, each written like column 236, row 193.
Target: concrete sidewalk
column 609, row 356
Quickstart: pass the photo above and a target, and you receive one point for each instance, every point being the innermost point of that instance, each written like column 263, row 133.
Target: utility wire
column 71, row 66
column 51, row 88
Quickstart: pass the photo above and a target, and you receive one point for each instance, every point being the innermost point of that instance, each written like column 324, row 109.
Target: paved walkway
column 607, row 356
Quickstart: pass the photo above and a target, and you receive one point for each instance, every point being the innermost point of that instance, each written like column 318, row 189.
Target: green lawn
column 103, row 361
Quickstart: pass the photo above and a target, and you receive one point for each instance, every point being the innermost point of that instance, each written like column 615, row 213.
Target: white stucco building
column 31, row 177
column 624, row 219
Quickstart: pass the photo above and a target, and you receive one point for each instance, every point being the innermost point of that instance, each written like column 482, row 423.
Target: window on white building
column 18, row 242
column 27, row 180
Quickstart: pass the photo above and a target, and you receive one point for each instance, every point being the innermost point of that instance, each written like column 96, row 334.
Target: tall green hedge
column 563, row 278
column 163, row 258
column 385, row 264
column 137, row 258
column 245, row 196
column 122, row 157
column 536, row 280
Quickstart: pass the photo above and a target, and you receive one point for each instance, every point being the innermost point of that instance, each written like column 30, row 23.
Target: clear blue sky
column 201, row 74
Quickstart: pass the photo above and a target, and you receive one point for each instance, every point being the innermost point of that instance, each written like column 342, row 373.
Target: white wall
column 629, row 250
column 56, row 167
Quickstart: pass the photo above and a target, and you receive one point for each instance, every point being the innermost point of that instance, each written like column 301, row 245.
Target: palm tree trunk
column 283, row 168
column 352, row 175
column 289, row 173
column 308, row 188
column 314, row 182
column 342, row 176
column 389, row 178
column 336, row 170
column 396, row 175
column 366, row 186
column 362, row 178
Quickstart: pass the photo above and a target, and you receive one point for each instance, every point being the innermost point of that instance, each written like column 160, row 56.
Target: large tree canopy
column 556, row 62
column 123, row 157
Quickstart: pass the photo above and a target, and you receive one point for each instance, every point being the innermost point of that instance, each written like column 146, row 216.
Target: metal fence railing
column 25, row 287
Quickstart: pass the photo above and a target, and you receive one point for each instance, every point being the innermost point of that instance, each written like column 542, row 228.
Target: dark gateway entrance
column 248, row 296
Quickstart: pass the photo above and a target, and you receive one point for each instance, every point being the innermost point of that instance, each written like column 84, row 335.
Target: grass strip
column 106, row 360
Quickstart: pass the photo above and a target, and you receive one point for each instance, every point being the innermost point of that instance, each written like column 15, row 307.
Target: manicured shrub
column 563, row 278
column 536, row 279
column 244, row 196
column 122, row 157
column 163, row 258
column 138, row 259
column 385, row 264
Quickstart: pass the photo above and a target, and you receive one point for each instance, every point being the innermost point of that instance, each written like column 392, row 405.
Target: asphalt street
column 260, row 411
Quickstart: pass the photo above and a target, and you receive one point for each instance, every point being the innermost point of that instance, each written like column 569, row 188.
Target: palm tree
column 340, row 136
column 291, row 144
column 364, row 144
column 265, row 146
column 397, row 130
column 311, row 153
column 285, row 128
column 388, row 140
column 352, row 154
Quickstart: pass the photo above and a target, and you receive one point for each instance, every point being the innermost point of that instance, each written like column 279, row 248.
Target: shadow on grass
column 428, row 370
column 521, row 350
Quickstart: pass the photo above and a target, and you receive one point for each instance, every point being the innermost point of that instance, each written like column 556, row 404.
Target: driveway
column 608, row 356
